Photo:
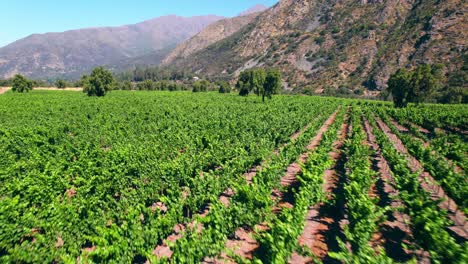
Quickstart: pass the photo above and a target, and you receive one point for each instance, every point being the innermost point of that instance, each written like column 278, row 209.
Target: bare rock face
column 73, row 52
column 330, row 44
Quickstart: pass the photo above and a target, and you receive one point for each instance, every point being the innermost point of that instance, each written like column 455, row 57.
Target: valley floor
column 186, row 177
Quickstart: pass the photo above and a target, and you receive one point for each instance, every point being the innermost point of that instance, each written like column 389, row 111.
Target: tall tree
column 399, row 86
column 425, row 82
column 243, row 83
column 272, row 83
column 99, row 82
column 416, row 86
column 257, row 81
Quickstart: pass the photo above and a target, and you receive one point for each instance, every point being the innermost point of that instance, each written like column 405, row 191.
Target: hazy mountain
column 73, row 52
column 343, row 44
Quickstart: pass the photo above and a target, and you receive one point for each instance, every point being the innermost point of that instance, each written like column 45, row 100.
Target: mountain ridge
column 347, row 45
column 75, row 51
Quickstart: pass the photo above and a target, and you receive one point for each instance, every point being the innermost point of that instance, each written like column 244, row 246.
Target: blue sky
column 20, row 18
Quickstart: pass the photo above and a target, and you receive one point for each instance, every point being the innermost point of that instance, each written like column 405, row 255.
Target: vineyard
column 156, row 177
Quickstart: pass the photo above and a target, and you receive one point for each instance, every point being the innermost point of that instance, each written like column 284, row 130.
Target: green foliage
column 399, row 86
column 61, row 84
column 455, row 95
column 428, row 222
column 259, row 81
column 99, row 82
column 280, row 241
column 96, row 193
column 155, row 74
column 126, row 85
column 82, row 81
column 272, row 84
column 21, row 84
column 5, row 83
column 224, row 87
column 416, row 86
column 251, row 80
column 201, row 86
column 364, row 213
column 147, row 85
column 85, row 179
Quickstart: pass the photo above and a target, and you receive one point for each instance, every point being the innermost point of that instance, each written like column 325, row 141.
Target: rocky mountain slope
column 341, row 44
column 73, row 52
column 213, row 33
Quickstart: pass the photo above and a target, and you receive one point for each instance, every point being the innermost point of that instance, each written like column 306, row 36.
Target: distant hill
column 340, row 44
column 71, row 53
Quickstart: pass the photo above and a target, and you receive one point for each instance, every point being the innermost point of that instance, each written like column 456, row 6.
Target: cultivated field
column 188, row 178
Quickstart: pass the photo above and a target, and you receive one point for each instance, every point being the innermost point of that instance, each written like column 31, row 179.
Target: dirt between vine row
column 324, row 222
column 394, row 232
column 426, row 144
column 163, row 250
column 427, row 182
column 243, row 244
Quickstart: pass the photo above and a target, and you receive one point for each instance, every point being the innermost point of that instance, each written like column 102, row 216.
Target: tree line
column 427, row 84
column 259, row 81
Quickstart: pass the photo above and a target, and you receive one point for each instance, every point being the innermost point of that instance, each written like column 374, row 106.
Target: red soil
column 164, row 251
column 395, row 231
column 460, row 227
column 317, row 225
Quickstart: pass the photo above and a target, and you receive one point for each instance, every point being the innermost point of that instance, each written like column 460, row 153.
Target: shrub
column 224, row 87
column 99, row 82
column 21, row 84
column 61, row 84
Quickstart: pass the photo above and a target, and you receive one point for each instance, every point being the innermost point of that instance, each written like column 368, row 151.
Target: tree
column 61, row 84
column 147, row 85
column 425, row 82
column 82, row 81
column 21, row 84
column 417, row 86
column 127, row 86
column 243, row 83
column 272, row 83
column 257, row 80
column 200, row 86
column 399, row 86
column 99, row 82
column 251, row 80
column 455, row 95
column 224, row 87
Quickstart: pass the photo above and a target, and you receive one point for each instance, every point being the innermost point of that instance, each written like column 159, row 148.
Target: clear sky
column 20, row 18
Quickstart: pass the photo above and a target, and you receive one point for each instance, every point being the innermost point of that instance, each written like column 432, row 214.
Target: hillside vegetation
column 342, row 44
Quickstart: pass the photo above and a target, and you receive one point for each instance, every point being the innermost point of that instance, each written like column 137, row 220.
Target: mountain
column 341, row 44
column 213, row 33
column 73, row 52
